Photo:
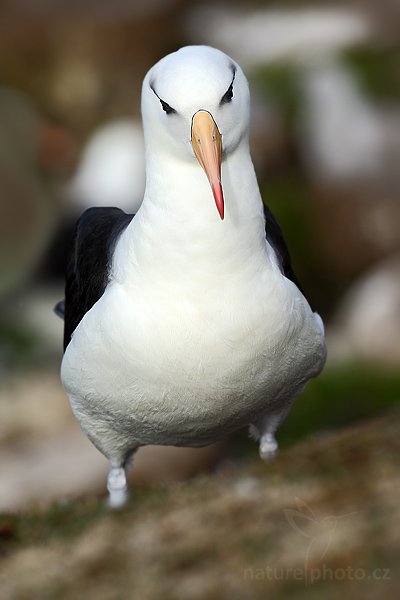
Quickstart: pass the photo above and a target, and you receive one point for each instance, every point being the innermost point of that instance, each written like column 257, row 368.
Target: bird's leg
column 117, row 487
column 268, row 445
column 264, row 431
column 116, row 481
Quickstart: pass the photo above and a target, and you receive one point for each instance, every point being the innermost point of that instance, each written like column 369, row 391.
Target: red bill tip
column 219, row 198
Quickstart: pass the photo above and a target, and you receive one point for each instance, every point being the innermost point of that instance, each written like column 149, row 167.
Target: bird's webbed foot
column 263, row 430
column 117, row 487
column 268, row 447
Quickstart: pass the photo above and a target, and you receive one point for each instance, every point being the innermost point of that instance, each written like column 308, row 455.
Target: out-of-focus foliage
column 377, row 68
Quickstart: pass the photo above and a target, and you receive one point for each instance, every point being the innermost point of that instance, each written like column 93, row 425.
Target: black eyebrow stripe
column 153, row 90
column 230, row 88
column 233, row 69
column 163, row 102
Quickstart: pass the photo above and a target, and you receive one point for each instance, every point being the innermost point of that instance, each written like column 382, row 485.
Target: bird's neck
column 178, row 227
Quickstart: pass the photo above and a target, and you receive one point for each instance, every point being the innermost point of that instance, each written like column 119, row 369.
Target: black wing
column 96, row 234
column 275, row 237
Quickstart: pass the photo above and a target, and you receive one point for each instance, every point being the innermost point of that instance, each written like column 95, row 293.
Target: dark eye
column 167, row 108
column 227, row 97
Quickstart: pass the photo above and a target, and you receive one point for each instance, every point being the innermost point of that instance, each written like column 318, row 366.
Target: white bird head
column 195, row 105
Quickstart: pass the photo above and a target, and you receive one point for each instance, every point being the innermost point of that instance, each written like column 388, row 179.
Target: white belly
column 169, row 368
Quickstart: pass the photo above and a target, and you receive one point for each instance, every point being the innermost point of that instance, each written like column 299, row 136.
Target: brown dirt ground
column 320, row 520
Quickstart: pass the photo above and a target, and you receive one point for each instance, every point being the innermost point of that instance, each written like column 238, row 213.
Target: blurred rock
column 343, row 135
column 351, row 151
column 256, row 37
column 111, row 170
column 367, row 323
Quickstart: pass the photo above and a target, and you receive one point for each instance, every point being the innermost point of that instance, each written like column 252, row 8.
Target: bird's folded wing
column 96, row 234
column 275, row 238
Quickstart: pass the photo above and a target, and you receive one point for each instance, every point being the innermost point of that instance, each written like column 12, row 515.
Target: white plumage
column 198, row 332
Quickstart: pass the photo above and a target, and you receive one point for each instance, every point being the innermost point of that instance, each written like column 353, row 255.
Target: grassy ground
column 319, row 521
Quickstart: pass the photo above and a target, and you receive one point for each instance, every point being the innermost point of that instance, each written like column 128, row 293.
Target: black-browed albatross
column 186, row 323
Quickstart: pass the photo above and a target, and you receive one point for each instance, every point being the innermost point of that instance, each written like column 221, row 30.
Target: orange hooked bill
column 207, row 147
